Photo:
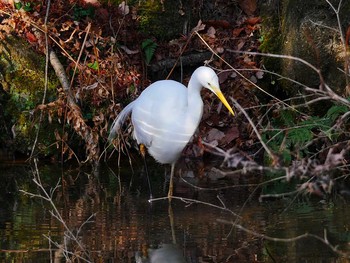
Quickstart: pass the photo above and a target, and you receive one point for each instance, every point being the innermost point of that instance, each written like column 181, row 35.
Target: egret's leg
column 143, row 153
column 171, row 184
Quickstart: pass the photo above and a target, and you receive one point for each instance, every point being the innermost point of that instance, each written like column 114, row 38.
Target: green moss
column 294, row 28
column 163, row 21
column 22, row 81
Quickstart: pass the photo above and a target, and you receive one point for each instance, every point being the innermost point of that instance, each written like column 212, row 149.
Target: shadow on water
column 111, row 217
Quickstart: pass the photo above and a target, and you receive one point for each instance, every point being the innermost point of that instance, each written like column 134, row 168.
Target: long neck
column 195, row 102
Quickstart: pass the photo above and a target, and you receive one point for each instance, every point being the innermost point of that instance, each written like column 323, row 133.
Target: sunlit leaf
column 93, row 65
column 18, row 5
column 27, row 7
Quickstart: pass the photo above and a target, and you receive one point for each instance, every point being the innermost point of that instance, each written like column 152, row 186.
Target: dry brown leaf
column 253, row 20
column 31, row 37
column 129, row 51
column 237, row 31
column 248, row 6
column 224, row 75
column 230, row 135
column 214, row 135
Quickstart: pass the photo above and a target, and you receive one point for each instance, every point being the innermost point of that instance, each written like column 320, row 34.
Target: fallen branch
column 75, row 116
column 189, row 60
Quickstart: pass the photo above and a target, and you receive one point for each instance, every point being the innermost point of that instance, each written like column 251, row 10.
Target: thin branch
column 189, row 202
column 284, row 57
column 267, row 149
column 235, row 70
column 87, row 30
column 323, row 239
column 48, row 196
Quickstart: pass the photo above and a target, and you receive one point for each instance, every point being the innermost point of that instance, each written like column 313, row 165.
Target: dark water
column 106, row 217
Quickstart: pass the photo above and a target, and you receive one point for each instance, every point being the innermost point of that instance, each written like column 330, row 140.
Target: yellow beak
column 224, row 101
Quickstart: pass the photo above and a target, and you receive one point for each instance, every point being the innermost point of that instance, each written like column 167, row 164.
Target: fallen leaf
column 259, row 74
column 230, row 135
column 211, row 32
column 218, row 23
column 237, row 31
column 247, row 59
column 224, row 75
column 220, row 50
column 31, row 37
column 181, row 12
column 253, row 20
column 248, row 6
column 215, row 174
column 253, row 79
column 66, row 25
column 129, row 51
column 233, row 75
column 123, row 8
column 214, row 135
column 92, row 2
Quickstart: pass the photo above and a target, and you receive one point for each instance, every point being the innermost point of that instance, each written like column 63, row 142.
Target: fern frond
column 149, row 47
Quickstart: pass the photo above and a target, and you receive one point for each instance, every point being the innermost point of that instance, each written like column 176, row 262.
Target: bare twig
column 323, row 239
column 87, row 30
column 189, row 202
column 48, row 196
column 267, row 149
column 235, row 70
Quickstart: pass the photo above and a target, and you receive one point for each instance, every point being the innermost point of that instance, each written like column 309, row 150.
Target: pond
column 107, row 217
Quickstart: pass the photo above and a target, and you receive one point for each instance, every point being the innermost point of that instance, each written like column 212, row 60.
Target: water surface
column 112, row 219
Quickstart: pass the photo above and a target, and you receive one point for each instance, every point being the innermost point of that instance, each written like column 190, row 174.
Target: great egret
column 167, row 114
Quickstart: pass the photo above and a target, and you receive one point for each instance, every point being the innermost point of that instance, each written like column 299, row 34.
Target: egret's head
column 208, row 79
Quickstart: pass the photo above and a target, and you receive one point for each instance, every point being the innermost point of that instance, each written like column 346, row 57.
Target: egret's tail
column 118, row 122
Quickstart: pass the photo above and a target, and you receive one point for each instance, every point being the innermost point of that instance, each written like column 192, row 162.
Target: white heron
column 167, row 114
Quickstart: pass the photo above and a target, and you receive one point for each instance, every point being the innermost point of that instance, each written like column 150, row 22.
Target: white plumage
column 167, row 114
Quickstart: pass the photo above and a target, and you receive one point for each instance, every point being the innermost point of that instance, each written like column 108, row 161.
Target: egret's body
column 167, row 114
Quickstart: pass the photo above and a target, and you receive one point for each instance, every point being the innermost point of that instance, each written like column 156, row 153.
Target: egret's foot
column 143, row 150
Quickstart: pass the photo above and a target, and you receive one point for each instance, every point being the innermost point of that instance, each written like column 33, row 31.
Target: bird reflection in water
column 166, row 253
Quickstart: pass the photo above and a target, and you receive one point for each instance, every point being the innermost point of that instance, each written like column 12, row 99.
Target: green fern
column 335, row 111
column 149, row 47
column 304, row 131
column 299, row 136
column 287, row 117
column 290, row 134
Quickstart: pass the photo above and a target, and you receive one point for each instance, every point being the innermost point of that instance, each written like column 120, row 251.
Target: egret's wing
column 156, row 109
